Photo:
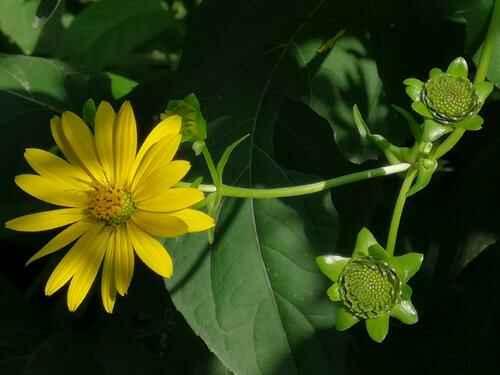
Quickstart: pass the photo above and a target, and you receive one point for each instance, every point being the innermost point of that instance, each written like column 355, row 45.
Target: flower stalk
column 293, row 191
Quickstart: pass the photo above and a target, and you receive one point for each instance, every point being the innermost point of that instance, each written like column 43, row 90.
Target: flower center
column 450, row 99
column 110, row 204
column 369, row 287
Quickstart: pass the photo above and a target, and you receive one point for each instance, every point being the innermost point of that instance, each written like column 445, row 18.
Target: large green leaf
column 106, row 32
column 255, row 296
column 32, row 90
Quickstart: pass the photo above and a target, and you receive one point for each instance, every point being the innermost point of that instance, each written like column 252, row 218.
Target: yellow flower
column 116, row 201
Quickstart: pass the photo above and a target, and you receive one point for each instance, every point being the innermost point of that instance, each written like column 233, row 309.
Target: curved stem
column 398, row 211
column 211, row 166
column 292, row 191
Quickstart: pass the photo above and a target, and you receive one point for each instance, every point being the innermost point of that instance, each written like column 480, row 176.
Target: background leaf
column 107, row 32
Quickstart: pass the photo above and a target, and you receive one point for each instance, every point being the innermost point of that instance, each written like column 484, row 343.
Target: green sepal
column 458, row 68
column 333, row 293
column 227, row 153
column 413, row 82
column 483, row 90
column 364, row 241
column 194, row 126
column 433, row 130
column 198, row 147
column 426, row 169
column 88, row 112
column 415, row 127
column 421, row 109
column 413, row 92
column 406, row 265
column 378, row 328
column 331, row 265
column 378, row 252
column 434, row 72
column 344, row 319
column 405, row 312
column 406, row 292
column 472, row 123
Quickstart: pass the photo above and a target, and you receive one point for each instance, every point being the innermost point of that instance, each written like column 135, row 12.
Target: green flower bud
column 369, row 287
column 450, row 99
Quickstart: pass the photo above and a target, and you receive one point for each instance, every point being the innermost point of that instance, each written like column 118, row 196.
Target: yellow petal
column 150, row 251
column 124, row 261
column 160, row 224
column 46, row 220
column 104, row 130
column 87, row 270
column 125, row 143
column 108, row 289
column 49, row 165
column 174, row 199
column 68, row 235
column 51, row 191
column 82, row 143
column 161, row 180
column 196, row 221
column 62, row 141
column 161, row 153
column 170, row 125
column 72, row 261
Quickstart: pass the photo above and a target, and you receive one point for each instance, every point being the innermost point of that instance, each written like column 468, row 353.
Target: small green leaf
column 458, row 68
column 227, row 153
column 405, row 312
column 364, row 240
column 88, row 112
column 344, row 319
column 331, row 265
column 378, row 328
column 194, row 125
column 407, row 265
column 394, row 154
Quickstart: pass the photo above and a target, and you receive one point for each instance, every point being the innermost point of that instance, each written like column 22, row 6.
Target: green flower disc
column 449, row 98
column 369, row 287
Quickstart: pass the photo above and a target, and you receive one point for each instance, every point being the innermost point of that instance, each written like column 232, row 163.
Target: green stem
column 398, row 211
column 211, row 166
column 292, row 191
column 487, row 50
column 482, row 70
column 448, row 143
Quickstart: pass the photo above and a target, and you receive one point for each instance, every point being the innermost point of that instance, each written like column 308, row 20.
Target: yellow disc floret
column 110, row 204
